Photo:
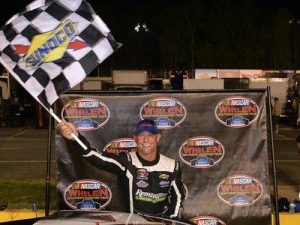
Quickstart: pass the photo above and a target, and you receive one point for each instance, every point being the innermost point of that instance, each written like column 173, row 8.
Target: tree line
column 188, row 34
column 203, row 34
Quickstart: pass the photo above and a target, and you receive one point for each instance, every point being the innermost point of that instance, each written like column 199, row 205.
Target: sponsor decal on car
column 237, row 111
column 87, row 195
column 240, row 190
column 207, row 220
column 121, row 145
column 201, row 152
column 86, row 113
column 142, row 174
column 166, row 112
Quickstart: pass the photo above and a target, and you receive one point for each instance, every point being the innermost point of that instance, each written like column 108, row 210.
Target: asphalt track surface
column 23, row 154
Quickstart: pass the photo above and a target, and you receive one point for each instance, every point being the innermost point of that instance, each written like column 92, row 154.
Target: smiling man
column 150, row 181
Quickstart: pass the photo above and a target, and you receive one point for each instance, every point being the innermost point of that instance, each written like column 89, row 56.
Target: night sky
column 10, row 7
column 252, row 33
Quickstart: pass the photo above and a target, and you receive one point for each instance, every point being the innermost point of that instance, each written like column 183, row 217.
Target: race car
column 73, row 217
column 202, row 161
column 85, row 123
column 237, row 121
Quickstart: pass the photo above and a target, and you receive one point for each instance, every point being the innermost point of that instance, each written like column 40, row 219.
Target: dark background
column 190, row 34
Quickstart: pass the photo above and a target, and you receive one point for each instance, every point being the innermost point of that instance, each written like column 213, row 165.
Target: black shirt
column 150, row 187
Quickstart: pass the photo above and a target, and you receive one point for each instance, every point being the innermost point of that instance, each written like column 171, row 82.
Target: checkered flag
column 53, row 45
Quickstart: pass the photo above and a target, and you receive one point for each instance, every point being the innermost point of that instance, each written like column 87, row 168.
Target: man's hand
column 66, row 129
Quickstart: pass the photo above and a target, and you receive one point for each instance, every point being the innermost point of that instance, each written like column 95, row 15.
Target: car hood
column 76, row 217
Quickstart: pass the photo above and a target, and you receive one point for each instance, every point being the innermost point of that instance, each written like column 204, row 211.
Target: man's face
column 147, row 142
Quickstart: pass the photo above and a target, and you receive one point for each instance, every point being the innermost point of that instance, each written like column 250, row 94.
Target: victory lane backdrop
column 220, row 139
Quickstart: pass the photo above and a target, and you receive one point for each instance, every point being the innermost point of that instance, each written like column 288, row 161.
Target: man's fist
column 66, row 129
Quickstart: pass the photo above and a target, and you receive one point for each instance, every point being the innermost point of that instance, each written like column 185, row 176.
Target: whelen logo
column 201, row 152
column 166, row 112
column 237, row 111
column 240, row 190
column 121, row 145
column 87, row 195
column 207, row 220
column 86, row 113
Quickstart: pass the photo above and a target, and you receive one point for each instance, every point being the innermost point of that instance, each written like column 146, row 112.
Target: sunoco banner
column 219, row 138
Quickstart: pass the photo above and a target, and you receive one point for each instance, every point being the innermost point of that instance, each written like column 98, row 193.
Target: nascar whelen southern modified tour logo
column 237, row 111
column 121, row 145
column 201, row 152
column 87, row 195
column 86, row 113
column 240, row 190
column 207, row 220
column 166, row 112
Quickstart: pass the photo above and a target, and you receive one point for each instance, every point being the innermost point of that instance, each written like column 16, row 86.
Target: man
column 277, row 110
column 151, row 182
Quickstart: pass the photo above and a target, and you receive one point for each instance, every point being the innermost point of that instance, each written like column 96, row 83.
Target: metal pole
column 295, row 45
column 277, row 221
column 47, row 192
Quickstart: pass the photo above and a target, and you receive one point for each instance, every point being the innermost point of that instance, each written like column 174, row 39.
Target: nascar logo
column 207, row 220
column 166, row 112
column 237, row 111
column 240, row 190
column 87, row 194
column 86, row 113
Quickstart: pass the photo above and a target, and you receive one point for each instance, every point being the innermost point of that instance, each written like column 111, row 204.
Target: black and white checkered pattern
column 50, row 79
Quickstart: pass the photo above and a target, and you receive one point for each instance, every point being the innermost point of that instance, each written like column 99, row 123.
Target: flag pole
column 48, row 173
column 73, row 135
